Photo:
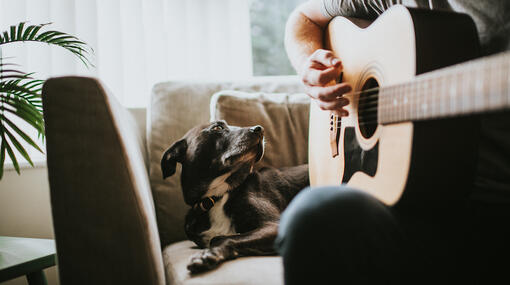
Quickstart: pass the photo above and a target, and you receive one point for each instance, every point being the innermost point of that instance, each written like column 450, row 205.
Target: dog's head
column 215, row 158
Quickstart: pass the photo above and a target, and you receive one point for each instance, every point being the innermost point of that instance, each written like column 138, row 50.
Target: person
column 334, row 235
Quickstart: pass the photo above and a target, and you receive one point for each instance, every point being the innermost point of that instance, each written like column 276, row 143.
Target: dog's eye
column 217, row 128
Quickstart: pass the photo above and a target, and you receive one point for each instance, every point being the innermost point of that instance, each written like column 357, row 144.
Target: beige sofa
column 116, row 220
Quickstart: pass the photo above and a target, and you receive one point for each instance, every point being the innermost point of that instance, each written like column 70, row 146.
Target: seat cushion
column 265, row 270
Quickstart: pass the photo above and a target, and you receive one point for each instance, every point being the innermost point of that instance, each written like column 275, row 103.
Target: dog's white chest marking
column 218, row 186
column 221, row 225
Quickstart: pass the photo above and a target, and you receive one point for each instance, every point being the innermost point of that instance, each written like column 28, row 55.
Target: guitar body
column 403, row 162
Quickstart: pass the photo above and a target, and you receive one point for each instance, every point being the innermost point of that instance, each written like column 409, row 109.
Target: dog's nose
column 256, row 129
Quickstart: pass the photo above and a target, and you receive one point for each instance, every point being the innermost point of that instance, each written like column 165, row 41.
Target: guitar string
column 408, row 93
column 408, row 90
column 367, row 101
column 415, row 85
column 373, row 99
column 371, row 112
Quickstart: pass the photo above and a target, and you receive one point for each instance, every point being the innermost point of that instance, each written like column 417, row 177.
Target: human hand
column 318, row 71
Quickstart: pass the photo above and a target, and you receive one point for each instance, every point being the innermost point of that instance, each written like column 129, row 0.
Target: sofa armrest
column 103, row 212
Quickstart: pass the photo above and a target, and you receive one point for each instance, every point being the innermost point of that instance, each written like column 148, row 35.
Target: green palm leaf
column 15, row 99
column 21, row 133
column 22, row 109
column 2, row 158
column 27, row 89
column 6, row 146
column 20, row 94
column 18, row 146
column 34, row 33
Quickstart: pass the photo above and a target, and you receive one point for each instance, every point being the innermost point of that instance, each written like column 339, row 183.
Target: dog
column 235, row 209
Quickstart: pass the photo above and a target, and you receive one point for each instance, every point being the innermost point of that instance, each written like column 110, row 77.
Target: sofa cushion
column 264, row 270
column 175, row 108
column 284, row 117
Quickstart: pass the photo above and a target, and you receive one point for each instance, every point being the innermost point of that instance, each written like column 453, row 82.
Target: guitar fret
column 473, row 78
column 421, row 98
column 404, row 91
column 506, row 77
column 400, row 105
column 496, row 90
column 434, row 104
column 501, row 80
column 416, row 101
column 382, row 97
column 427, row 100
column 435, row 101
column 502, row 85
column 405, row 104
column 401, row 94
column 489, row 95
column 479, row 87
column 424, row 99
column 393, row 114
column 453, row 93
column 464, row 94
column 444, row 97
column 411, row 95
column 394, row 102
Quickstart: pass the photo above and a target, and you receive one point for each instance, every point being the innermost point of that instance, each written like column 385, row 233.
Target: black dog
column 235, row 209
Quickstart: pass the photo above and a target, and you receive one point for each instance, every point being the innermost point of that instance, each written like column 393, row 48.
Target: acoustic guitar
column 413, row 124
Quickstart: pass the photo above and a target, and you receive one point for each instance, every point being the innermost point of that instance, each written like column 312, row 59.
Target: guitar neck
column 474, row 87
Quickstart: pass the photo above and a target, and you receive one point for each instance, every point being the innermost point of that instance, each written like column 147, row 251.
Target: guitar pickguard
column 356, row 158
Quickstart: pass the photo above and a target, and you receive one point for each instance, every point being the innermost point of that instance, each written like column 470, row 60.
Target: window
column 268, row 18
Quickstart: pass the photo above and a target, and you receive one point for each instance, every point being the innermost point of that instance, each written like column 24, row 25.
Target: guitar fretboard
column 477, row 86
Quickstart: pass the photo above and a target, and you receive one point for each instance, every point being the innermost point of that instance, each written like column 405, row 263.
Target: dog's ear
column 176, row 153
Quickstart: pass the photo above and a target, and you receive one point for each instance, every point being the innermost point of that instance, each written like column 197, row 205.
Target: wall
column 25, row 210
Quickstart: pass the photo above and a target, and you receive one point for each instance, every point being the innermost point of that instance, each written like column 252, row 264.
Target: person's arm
column 315, row 65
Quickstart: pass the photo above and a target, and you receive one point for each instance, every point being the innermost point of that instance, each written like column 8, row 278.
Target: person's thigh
column 338, row 234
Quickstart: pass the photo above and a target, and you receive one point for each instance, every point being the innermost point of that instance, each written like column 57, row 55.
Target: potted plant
column 20, row 92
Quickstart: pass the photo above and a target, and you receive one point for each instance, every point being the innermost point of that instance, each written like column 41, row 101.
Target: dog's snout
column 257, row 129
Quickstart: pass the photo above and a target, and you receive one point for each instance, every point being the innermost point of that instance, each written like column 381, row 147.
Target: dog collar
column 207, row 203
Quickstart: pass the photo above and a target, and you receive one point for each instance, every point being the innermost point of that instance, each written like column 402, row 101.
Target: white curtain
column 137, row 43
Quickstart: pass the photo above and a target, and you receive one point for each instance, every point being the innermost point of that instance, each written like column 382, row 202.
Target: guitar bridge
column 334, row 133
column 335, row 126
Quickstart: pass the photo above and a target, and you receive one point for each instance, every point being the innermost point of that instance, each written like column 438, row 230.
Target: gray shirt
column 492, row 19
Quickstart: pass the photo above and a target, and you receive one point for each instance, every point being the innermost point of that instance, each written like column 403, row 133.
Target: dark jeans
column 335, row 235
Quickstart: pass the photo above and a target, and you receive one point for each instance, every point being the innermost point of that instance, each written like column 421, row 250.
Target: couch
column 116, row 220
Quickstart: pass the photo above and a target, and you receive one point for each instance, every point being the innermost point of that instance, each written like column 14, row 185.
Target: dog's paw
column 205, row 260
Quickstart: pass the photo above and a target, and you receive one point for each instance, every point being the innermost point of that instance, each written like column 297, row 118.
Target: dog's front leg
column 222, row 248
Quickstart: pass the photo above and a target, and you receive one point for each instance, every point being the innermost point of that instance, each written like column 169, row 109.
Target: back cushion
column 284, row 117
column 175, row 108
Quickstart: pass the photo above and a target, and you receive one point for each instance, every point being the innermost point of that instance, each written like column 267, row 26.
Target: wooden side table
column 26, row 256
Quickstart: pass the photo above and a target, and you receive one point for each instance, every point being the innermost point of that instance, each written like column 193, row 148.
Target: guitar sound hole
column 367, row 108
